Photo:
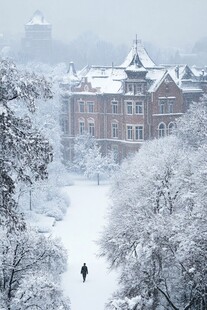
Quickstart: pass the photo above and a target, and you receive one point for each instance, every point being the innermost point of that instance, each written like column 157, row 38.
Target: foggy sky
column 164, row 22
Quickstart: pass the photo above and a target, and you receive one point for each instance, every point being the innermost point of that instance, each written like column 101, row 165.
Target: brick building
column 122, row 106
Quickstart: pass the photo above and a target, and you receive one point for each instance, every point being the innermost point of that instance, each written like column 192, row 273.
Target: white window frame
column 81, row 105
column 130, row 87
column 81, row 127
column 139, row 107
column 161, row 131
column 139, row 88
column 91, row 128
column 114, row 130
column 64, row 125
column 90, row 105
column 171, row 125
column 129, row 105
column 114, row 107
column 162, row 105
column 171, row 104
column 139, row 132
column 129, row 132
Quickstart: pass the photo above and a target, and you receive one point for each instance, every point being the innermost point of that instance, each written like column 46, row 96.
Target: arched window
column 91, row 127
column 161, row 130
column 81, row 126
column 171, row 126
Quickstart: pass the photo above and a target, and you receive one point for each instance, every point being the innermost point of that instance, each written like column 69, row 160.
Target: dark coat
column 84, row 270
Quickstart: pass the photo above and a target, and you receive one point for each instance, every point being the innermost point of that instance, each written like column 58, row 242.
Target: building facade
column 123, row 106
column 37, row 44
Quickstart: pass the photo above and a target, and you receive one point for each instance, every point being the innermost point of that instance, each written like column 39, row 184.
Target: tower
column 37, row 44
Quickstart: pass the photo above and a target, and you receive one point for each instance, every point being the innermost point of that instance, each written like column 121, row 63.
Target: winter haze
column 166, row 23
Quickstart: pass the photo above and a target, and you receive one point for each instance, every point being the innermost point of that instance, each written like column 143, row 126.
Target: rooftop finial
column 136, row 43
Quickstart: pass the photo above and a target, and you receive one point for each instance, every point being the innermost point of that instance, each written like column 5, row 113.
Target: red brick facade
column 124, row 106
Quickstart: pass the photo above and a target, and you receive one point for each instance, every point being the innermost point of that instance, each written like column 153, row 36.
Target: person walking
column 84, row 271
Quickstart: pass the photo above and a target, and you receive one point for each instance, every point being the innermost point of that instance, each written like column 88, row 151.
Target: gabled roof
column 139, row 51
column 181, row 72
column 199, row 72
column 71, row 77
column 156, row 77
column 37, row 19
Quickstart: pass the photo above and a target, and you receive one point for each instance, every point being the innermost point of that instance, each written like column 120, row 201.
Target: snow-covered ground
column 79, row 231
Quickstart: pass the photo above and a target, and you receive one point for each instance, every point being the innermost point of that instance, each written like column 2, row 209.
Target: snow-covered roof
column 37, row 19
column 144, row 58
column 156, row 76
column 135, row 68
column 71, row 77
column 181, row 72
column 199, row 72
column 105, row 79
column 109, row 79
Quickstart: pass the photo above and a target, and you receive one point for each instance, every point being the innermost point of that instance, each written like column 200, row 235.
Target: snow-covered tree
column 156, row 229
column 24, row 154
column 46, row 196
column 192, row 127
column 24, row 157
column 30, row 271
column 90, row 160
column 82, row 144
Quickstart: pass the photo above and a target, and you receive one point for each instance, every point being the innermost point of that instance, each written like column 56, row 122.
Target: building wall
column 167, row 94
column 155, row 120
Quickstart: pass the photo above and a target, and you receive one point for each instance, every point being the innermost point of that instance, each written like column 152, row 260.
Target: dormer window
column 138, row 88
column 130, row 88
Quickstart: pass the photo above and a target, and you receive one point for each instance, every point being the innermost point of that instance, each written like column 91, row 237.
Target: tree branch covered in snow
column 30, row 263
column 156, row 231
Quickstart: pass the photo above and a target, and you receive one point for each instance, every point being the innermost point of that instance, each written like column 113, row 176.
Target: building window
column 114, row 130
column 91, row 129
column 81, row 127
column 129, row 132
column 139, row 133
column 139, row 88
column 114, row 105
column 170, row 128
column 129, row 108
column 64, row 125
column 81, row 106
column 139, row 107
column 161, row 130
column 90, row 107
column 162, row 105
column 171, row 103
column 130, row 88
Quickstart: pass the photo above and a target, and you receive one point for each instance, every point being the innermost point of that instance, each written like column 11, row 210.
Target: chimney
column 177, row 72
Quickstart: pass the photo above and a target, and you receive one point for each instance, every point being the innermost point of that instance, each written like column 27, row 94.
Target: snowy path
column 78, row 231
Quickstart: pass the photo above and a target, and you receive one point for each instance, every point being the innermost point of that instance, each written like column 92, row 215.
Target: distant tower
column 37, row 44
